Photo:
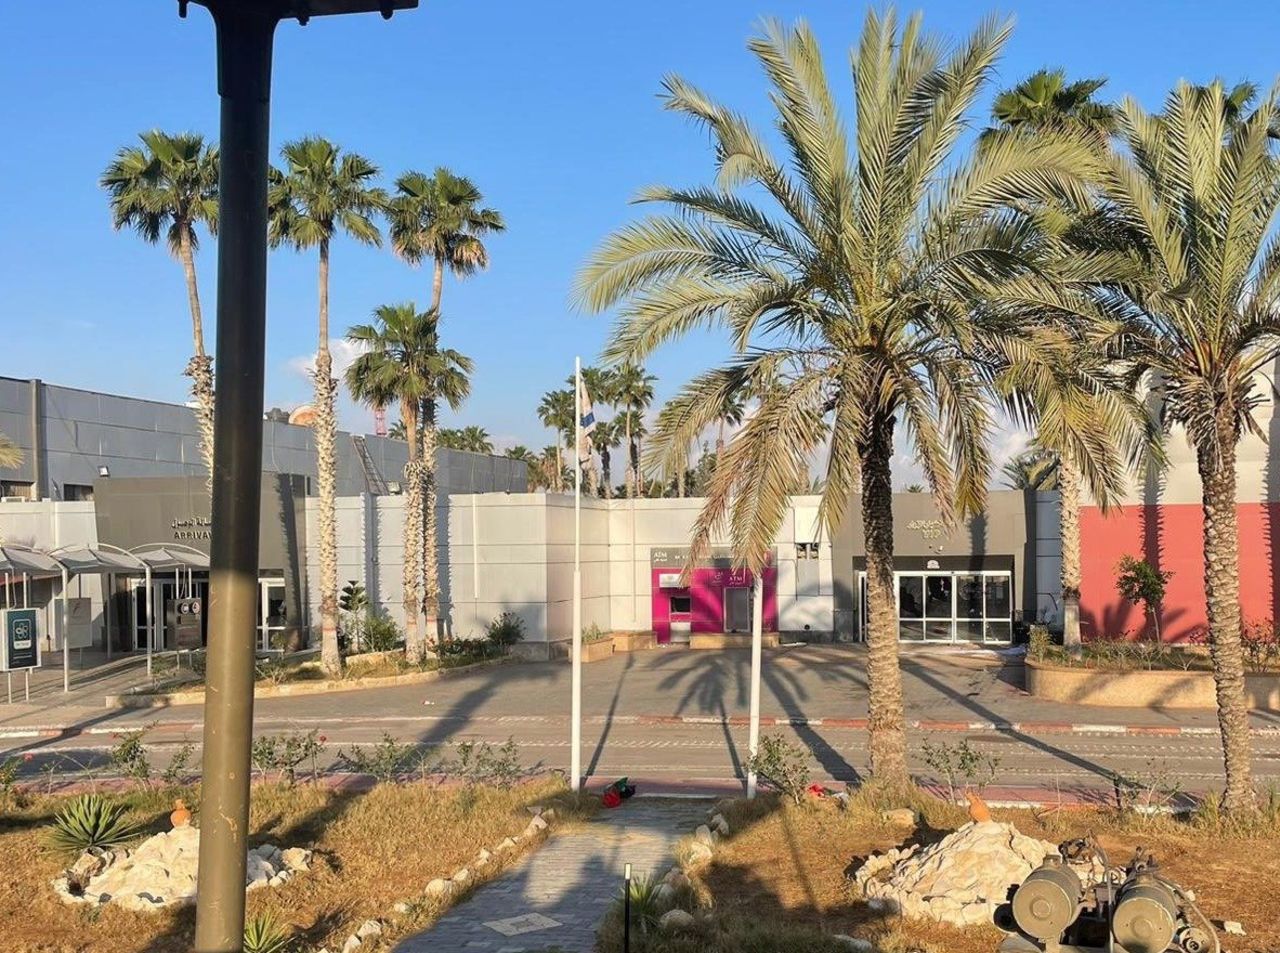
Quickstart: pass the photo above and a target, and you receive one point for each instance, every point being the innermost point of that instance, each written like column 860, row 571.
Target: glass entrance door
column 960, row 607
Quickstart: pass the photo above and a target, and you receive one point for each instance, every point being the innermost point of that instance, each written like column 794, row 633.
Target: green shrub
column 129, row 757
column 384, row 761
column 479, row 762
column 90, row 821
column 262, row 934
column 284, row 753
column 1039, row 642
column 505, row 631
column 8, row 778
column 782, row 765
column 961, row 762
column 176, row 770
column 381, row 634
column 593, row 633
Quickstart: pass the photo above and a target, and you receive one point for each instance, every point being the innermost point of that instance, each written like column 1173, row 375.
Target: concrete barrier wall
column 1142, row 689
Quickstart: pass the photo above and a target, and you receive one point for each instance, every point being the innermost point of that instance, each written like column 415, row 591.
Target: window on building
column 77, row 492
column 681, row 605
column 16, row 488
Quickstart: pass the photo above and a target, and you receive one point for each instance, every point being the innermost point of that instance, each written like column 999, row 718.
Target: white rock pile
column 961, row 879
column 162, row 871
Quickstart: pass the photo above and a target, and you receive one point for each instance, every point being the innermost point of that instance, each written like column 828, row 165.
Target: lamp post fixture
column 244, row 34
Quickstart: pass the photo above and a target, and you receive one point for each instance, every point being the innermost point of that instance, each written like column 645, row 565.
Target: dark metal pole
column 244, row 84
column 626, row 910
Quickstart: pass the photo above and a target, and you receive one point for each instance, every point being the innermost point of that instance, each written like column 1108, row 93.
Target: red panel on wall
column 1170, row 537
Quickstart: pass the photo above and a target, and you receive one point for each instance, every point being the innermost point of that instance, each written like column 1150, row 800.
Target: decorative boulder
column 674, row 920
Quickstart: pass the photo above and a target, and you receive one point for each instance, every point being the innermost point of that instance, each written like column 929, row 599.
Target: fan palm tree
column 168, row 187
column 398, row 431
column 439, row 218
column 552, row 468
column 1045, row 101
column 321, row 193
column 730, row 415
column 556, row 411
column 633, row 392
column 11, row 455
column 450, row 438
column 604, row 438
column 476, row 439
column 850, row 294
column 401, row 361
column 1199, row 320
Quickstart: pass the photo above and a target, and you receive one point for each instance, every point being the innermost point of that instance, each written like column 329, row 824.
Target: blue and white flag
column 586, row 424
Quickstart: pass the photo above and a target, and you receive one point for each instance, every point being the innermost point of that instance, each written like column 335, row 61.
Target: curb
column 173, row 699
column 1002, row 727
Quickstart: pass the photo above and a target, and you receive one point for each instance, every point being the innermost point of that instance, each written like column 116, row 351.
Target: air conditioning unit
column 15, row 499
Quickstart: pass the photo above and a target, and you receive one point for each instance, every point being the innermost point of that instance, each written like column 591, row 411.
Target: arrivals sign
column 21, row 646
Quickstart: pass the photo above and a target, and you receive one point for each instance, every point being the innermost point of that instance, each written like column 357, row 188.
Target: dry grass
column 372, row 849
column 782, row 882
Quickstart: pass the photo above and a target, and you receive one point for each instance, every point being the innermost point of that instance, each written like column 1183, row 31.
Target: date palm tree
column 848, row 277
column 556, row 411
column 1033, row 469
column 1199, row 321
column 475, row 439
column 398, row 431
column 440, row 218
column 1043, row 104
column 633, row 392
column 10, row 454
column 167, row 188
column 604, row 438
column 322, row 193
column 401, row 360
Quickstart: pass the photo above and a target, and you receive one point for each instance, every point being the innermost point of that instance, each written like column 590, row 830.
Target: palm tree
column 321, row 193
column 439, row 217
column 11, row 455
column 1033, row 469
column 556, row 411
column 167, row 188
column 450, row 439
column 402, row 360
column 518, row 452
column 476, row 439
column 552, row 469
column 1199, row 320
column 604, row 438
column 633, row 392
column 1046, row 102
column 850, row 295
column 398, row 431
column 730, row 415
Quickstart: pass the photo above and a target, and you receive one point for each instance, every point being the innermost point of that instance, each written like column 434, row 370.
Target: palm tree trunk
column 888, row 739
column 430, row 560
column 605, row 475
column 437, row 285
column 640, row 491
column 200, row 367
column 1069, row 525
column 631, row 458
column 559, row 480
column 326, row 431
column 1222, row 596
column 413, row 529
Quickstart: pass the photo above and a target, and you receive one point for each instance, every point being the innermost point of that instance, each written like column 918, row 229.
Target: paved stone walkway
column 557, row 896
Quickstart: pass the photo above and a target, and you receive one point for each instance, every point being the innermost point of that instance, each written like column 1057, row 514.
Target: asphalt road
column 634, row 703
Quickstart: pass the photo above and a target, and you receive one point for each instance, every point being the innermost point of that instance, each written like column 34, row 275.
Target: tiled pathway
column 556, row 897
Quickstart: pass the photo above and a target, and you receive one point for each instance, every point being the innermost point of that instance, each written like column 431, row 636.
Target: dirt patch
column 369, row 855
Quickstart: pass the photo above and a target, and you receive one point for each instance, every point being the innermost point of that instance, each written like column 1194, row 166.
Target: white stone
column 353, row 943
column 665, row 894
column 698, row 853
column 549, row 814
column 369, row 928
column 900, row 817
column 538, row 823
column 462, row 877
column 854, row 944
column 703, row 835
column 960, row 879
column 506, row 844
column 534, row 809
column 296, row 858
column 676, row 879
column 438, row 888
column 1234, row 927
column 400, row 908
column 675, row 920
column 720, row 825
column 483, row 856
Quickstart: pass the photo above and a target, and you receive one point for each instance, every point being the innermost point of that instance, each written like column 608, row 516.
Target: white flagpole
column 575, row 768
column 757, row 637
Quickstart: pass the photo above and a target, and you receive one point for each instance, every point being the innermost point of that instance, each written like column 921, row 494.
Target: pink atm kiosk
column 717, row 597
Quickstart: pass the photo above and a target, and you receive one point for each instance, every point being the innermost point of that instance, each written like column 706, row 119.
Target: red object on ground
column 611, row 798
column 817, row 790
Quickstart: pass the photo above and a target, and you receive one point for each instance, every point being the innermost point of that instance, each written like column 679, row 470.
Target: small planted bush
column 505, row 631
column 285, row 753
column 90, row 821
column 380, row 634
column 129, row 757
column 783, row 765
column 384, row 761
column 262, row 934
column 961, row 764
column 479, row 762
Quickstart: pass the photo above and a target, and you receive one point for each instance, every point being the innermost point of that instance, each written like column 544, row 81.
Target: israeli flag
column 586, row 423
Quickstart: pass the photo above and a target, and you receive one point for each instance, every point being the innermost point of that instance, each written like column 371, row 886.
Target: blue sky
column 549, row 106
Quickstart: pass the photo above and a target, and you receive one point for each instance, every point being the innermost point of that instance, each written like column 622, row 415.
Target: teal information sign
column 21, row 640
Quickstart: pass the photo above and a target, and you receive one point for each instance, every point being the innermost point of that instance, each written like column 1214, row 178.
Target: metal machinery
column 1133, row 909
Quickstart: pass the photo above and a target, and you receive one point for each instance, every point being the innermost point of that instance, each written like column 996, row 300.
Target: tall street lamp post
column 244, row 34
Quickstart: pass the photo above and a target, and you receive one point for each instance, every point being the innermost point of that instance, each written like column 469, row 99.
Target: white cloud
column 343, row 352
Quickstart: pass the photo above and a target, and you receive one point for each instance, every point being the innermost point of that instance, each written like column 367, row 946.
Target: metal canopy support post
column 106, row 609
column 66, row 636
column 757, row 637
column 151, row 620
column 244, row 34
